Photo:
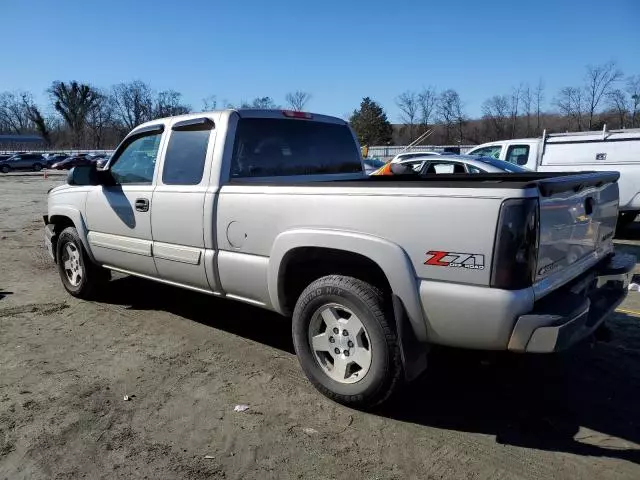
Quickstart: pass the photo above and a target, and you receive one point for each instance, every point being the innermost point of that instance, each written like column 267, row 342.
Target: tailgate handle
column 588, row 205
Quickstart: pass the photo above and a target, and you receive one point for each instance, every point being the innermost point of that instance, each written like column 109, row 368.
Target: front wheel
column 37, row 167
column 79, row 275
column 5, row 169
column 345, row 342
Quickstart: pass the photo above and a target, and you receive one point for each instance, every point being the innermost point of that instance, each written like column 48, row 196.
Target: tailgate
column 578, row 215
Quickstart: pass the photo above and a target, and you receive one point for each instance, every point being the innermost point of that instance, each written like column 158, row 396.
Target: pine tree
column 371, row 124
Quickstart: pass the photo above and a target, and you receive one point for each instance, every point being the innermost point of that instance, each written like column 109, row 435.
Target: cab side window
column 518, row 154
column 136, row 163
column 490, row 151
column 445, row 167
column 186, row 153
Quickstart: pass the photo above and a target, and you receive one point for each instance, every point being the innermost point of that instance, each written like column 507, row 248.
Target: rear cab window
column 271, row 147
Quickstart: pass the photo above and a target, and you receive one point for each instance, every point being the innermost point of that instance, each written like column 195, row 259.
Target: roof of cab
column 243, row 113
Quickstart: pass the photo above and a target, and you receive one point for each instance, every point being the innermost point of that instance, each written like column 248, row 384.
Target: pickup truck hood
column 578, row 215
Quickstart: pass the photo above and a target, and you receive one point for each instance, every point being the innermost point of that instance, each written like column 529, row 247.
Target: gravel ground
column 185, row 360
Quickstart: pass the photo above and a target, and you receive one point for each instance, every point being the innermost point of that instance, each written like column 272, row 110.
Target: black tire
column 625, row 219
column 93, row 278
column 5, row 168
column 37, row 167
column 367, row 302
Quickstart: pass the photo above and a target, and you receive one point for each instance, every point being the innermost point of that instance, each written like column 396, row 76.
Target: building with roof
column 14, row 142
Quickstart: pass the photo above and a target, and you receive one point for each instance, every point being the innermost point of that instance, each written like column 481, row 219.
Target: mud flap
column 413, row 352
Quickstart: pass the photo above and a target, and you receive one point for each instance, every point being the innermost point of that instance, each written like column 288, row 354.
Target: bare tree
column 571, row 104
column 539, row 96
column 526, row 97
column 168, row 104
column 209, row 103
column 514, row 105
column 297, row 100
column 633, row 90
column 617, row 99
column 41, row 124
column 427, row 99
column 496, row 111
column 133, row 104
column 409, row 106
column 73, row 101
column 13, row 117
column 450, row 113
column 263, row 103
column 599, row 81
column 101, row 119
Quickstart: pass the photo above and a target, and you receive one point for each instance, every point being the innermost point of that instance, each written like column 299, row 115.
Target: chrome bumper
column 574, row 311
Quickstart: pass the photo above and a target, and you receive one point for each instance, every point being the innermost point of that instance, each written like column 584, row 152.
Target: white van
column 613, row 150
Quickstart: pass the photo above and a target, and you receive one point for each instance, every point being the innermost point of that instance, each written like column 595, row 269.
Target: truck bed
column 548, row 183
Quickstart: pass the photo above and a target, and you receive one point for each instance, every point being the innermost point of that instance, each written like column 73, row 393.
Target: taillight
column 515, row 250
column 294, row 114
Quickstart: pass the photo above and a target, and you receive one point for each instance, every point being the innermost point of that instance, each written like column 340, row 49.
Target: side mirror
column 521, row 160
column 83, row 175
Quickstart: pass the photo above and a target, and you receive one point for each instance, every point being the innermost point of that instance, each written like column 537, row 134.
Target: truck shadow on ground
column 583, row 402
column 4, row 294
column 233, row 317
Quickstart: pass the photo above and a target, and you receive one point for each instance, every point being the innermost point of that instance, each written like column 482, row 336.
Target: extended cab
column 606, row 150
column 272, row 208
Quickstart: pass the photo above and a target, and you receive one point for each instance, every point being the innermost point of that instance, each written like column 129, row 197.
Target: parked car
column 272, row 208
column 409, row 155
column 372, row 164
column 73, row 161
column 54, row 158
column 23, row 161
column 617, row 150
column 449, row 164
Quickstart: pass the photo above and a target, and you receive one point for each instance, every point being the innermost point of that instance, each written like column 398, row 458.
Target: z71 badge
column 472, row 261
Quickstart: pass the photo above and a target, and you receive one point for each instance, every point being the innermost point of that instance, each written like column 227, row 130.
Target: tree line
column 605, row 96
column 84, row 116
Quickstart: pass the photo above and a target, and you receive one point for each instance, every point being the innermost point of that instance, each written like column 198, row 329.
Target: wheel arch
column 383, row 261
column 62, row 217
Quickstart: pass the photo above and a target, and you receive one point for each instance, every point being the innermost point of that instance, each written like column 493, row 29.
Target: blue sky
column 338, row 50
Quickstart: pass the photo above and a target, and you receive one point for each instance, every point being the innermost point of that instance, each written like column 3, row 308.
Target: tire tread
column 375, row 301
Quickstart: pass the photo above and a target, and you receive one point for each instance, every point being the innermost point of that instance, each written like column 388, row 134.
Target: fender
column 390, row 257
column 78, row 221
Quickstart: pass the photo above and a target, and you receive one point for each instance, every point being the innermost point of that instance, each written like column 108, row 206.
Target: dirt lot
column 187, row 359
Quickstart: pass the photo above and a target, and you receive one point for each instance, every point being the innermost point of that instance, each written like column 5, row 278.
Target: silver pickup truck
column 272, row 208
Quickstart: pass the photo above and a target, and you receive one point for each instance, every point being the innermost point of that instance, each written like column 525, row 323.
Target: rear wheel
column 80, row 276
column 344, row 341
column 5, row 169
column 37, row 167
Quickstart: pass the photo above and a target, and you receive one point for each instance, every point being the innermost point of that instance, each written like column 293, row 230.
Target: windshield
column 502, row 165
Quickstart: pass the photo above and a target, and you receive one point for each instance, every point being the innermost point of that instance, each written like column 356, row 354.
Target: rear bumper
column 573, row 312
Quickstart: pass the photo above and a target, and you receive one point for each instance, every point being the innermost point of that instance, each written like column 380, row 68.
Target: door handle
column 142, row 204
